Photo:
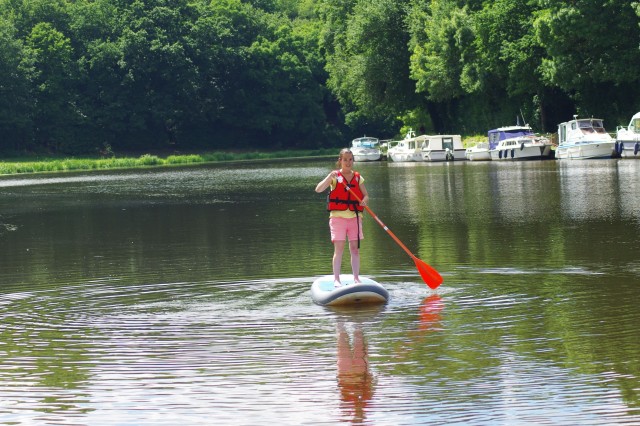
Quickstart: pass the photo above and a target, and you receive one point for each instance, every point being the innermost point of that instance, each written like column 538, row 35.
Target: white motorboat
column 442, row 148
column 528, row 147
column 408, row 149
column 584, row 138
column 507, row 132
column 478, row 152
column 482, row 150
column 628, row 139
column 366, row 148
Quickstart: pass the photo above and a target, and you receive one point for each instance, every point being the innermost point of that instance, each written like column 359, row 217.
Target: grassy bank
column 38, row 165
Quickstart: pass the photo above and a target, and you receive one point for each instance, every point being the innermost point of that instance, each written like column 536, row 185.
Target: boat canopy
column 502, row 133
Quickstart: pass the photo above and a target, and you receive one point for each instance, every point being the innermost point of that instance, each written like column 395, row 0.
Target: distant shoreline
column 53, row 164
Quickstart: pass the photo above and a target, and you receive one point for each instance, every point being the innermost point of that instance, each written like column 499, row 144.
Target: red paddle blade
column 429, row 275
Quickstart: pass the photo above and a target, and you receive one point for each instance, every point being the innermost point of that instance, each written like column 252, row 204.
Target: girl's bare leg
column 338, row 250
column 355, row 260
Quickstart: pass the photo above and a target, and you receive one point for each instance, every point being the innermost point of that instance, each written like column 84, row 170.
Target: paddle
column 429, row 275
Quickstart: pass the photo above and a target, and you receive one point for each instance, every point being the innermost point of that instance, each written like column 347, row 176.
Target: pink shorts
column 342, row 228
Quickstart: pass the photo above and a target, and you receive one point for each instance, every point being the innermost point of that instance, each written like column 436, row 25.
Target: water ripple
column 107, row 352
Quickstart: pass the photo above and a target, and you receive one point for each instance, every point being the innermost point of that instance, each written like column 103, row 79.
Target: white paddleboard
column 368, row 291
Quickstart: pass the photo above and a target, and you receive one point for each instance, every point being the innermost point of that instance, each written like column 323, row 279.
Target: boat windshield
column 634, row 126
column 365, row 143
column 591, row 126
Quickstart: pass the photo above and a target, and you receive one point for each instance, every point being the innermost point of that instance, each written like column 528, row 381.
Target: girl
column 345, row 218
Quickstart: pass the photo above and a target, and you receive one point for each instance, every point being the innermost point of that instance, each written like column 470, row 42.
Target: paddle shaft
column 385, row 227
column 429, row 275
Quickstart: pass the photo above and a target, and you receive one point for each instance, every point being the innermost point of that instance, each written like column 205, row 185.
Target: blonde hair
column 343, row 151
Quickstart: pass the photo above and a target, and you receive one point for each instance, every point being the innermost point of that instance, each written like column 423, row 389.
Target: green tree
column 15, row 99
column 444, row 60
column 592, row 53
column 262, row 84
column 48, row 54
column 367, row 58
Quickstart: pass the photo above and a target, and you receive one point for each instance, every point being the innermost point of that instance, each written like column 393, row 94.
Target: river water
column 181, row 296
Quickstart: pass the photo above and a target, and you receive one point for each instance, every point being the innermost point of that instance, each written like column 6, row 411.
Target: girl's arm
column 324, row 183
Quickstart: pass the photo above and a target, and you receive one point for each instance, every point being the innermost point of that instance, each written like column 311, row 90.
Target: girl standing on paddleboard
column 345, row 217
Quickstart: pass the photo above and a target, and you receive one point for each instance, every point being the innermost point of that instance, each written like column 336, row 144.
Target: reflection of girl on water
column 354, row 378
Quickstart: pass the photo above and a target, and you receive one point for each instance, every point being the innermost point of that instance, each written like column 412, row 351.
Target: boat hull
column 522, row 154
column 478, row 152
column 586, row 150
column 480, row 155
column 628, row 139
column 444, row 155
column 627, row 148
column 403, row 157
column 376, row 156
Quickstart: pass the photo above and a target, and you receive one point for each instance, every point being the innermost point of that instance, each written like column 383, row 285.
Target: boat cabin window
column 634, row 126
column 598, row 126
column 586, row 126
column 447, row 143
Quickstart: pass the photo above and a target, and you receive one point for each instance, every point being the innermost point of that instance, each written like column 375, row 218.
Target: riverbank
column 52, row 164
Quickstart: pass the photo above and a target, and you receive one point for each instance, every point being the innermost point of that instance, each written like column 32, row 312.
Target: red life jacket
column 341, row 199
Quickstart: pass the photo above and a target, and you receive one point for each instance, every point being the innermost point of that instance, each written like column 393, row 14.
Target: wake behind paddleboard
column 368, row 291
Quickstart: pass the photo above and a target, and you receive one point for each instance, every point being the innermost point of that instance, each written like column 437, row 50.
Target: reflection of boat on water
column 583, row 138
column 628, row 139
column 366, row 148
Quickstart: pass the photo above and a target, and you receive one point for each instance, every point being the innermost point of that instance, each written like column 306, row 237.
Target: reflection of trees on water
column 355, row 379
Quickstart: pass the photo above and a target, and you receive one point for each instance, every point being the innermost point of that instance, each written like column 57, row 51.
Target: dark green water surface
column 181, row 296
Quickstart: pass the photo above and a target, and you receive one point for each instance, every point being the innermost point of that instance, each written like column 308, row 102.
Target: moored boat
column 527, row 147
column 507, row 132
column 584, row 138
column 478, row 152
column 628, row 138
column 442, row 148
column 366, row 148
column 408, row 149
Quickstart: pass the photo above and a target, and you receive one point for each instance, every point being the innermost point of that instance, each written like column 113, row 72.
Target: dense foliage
column 101, row 75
